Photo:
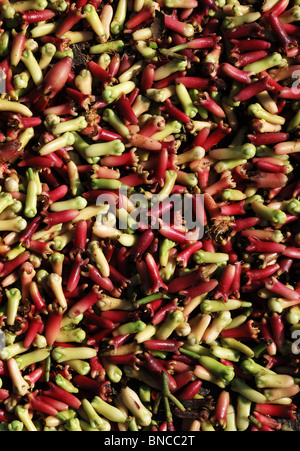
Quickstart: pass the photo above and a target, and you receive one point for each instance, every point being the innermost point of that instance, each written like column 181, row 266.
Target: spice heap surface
column 149, row 215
